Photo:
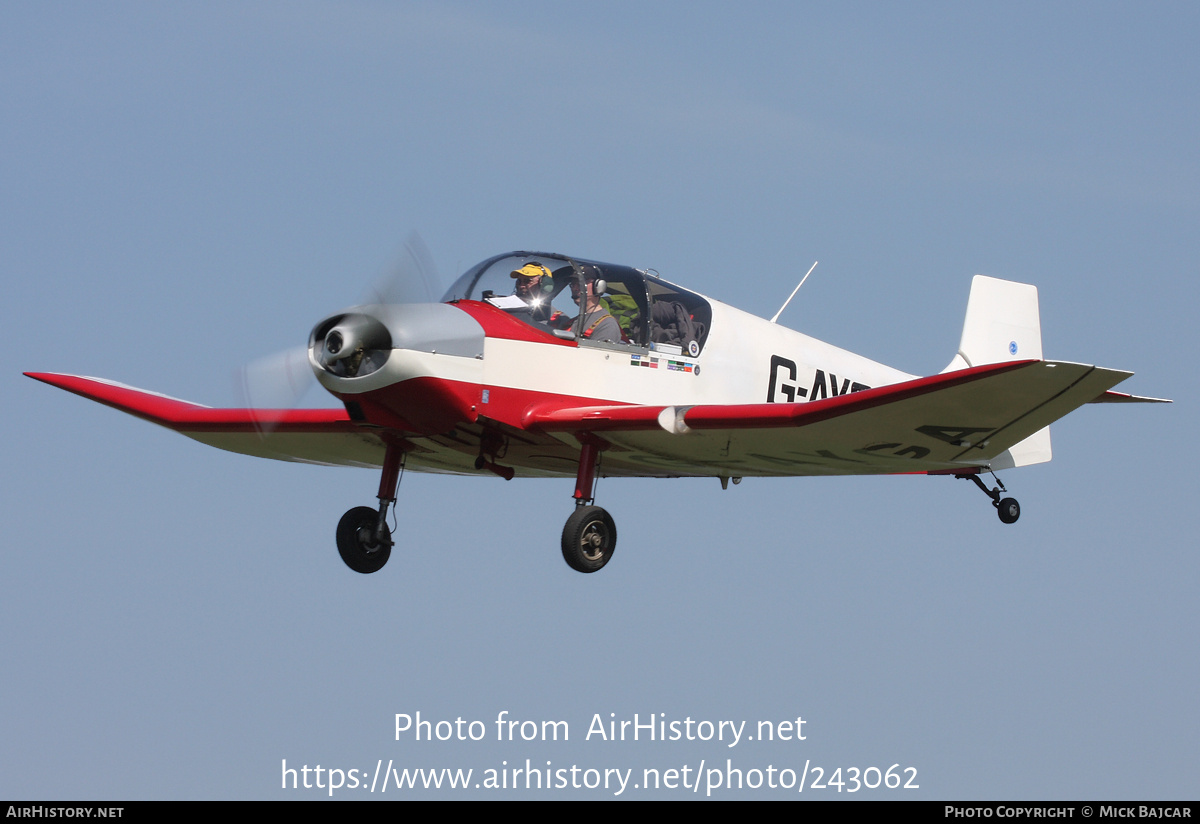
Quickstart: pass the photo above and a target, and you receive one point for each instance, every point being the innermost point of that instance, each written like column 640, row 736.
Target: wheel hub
column 593, row 542
column 366, row 540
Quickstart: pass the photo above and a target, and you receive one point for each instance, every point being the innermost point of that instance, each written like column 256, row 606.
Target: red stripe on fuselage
column 427, row 405
column 407, row 405
column 497, row 323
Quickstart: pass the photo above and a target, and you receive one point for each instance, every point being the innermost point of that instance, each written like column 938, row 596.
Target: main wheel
column 1009, row 510
column 588, row 539
column 356, row 540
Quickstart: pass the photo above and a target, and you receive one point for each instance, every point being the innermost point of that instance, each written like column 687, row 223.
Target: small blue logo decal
column 1012, row 347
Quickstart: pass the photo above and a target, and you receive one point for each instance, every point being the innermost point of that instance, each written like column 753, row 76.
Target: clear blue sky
column 184, row 188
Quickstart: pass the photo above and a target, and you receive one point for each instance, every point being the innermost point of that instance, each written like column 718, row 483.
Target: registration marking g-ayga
column 784, row 387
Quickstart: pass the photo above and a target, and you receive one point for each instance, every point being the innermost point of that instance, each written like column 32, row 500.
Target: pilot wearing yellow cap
column 534, row 285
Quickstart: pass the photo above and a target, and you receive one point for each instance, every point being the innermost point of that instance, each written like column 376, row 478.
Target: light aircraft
column 544, row 365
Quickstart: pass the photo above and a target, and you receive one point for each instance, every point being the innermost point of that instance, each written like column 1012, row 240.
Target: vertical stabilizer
column 1003, row 324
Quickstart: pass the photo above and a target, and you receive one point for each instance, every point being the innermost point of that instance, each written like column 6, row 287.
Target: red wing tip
column 185, row 416
column 54, row 378
column 57, row 378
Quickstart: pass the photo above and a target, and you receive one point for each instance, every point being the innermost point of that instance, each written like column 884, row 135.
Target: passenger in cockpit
column 598, row 323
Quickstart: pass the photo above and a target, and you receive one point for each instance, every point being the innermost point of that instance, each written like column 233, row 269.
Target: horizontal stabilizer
column 1121, row 397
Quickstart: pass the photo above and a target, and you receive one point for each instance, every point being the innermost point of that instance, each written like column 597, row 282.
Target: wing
column 954, row 421
column 320, row 436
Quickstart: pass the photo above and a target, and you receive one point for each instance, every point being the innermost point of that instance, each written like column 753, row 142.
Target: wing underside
column 320, row 436
column 957, row 421
column 951, row 422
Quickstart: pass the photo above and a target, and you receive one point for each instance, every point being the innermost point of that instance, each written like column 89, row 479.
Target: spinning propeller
column 280, row 381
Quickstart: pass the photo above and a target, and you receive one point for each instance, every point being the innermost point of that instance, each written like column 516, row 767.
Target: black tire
column 356, row 540
column 588, row 539
column 1009, row 510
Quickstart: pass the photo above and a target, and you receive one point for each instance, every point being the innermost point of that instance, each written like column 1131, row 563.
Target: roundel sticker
column 693, row 348
column 1012, row 347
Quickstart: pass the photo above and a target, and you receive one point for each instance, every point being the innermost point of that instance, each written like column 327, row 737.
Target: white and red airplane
column 542, row 365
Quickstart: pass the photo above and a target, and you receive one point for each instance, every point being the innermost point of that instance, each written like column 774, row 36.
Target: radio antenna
column 794, row 291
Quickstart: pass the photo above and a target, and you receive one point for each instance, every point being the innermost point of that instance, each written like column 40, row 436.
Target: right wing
column 319, row 436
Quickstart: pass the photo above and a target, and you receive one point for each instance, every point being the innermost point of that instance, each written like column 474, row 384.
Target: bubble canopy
column 545, row 289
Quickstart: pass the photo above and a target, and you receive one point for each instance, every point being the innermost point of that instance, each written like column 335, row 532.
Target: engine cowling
column 412, row 366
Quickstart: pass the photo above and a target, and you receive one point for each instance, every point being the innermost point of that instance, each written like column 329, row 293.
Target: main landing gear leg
column 590, row 535
column 1007, row 508
column 363, row 538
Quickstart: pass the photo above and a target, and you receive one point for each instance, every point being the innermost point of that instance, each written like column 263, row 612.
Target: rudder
column 1003, row 323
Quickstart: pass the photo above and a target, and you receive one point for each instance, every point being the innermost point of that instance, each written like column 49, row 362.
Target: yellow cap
column 531, row 270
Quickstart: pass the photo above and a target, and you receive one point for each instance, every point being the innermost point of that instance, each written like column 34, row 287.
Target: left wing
column 956, row 420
